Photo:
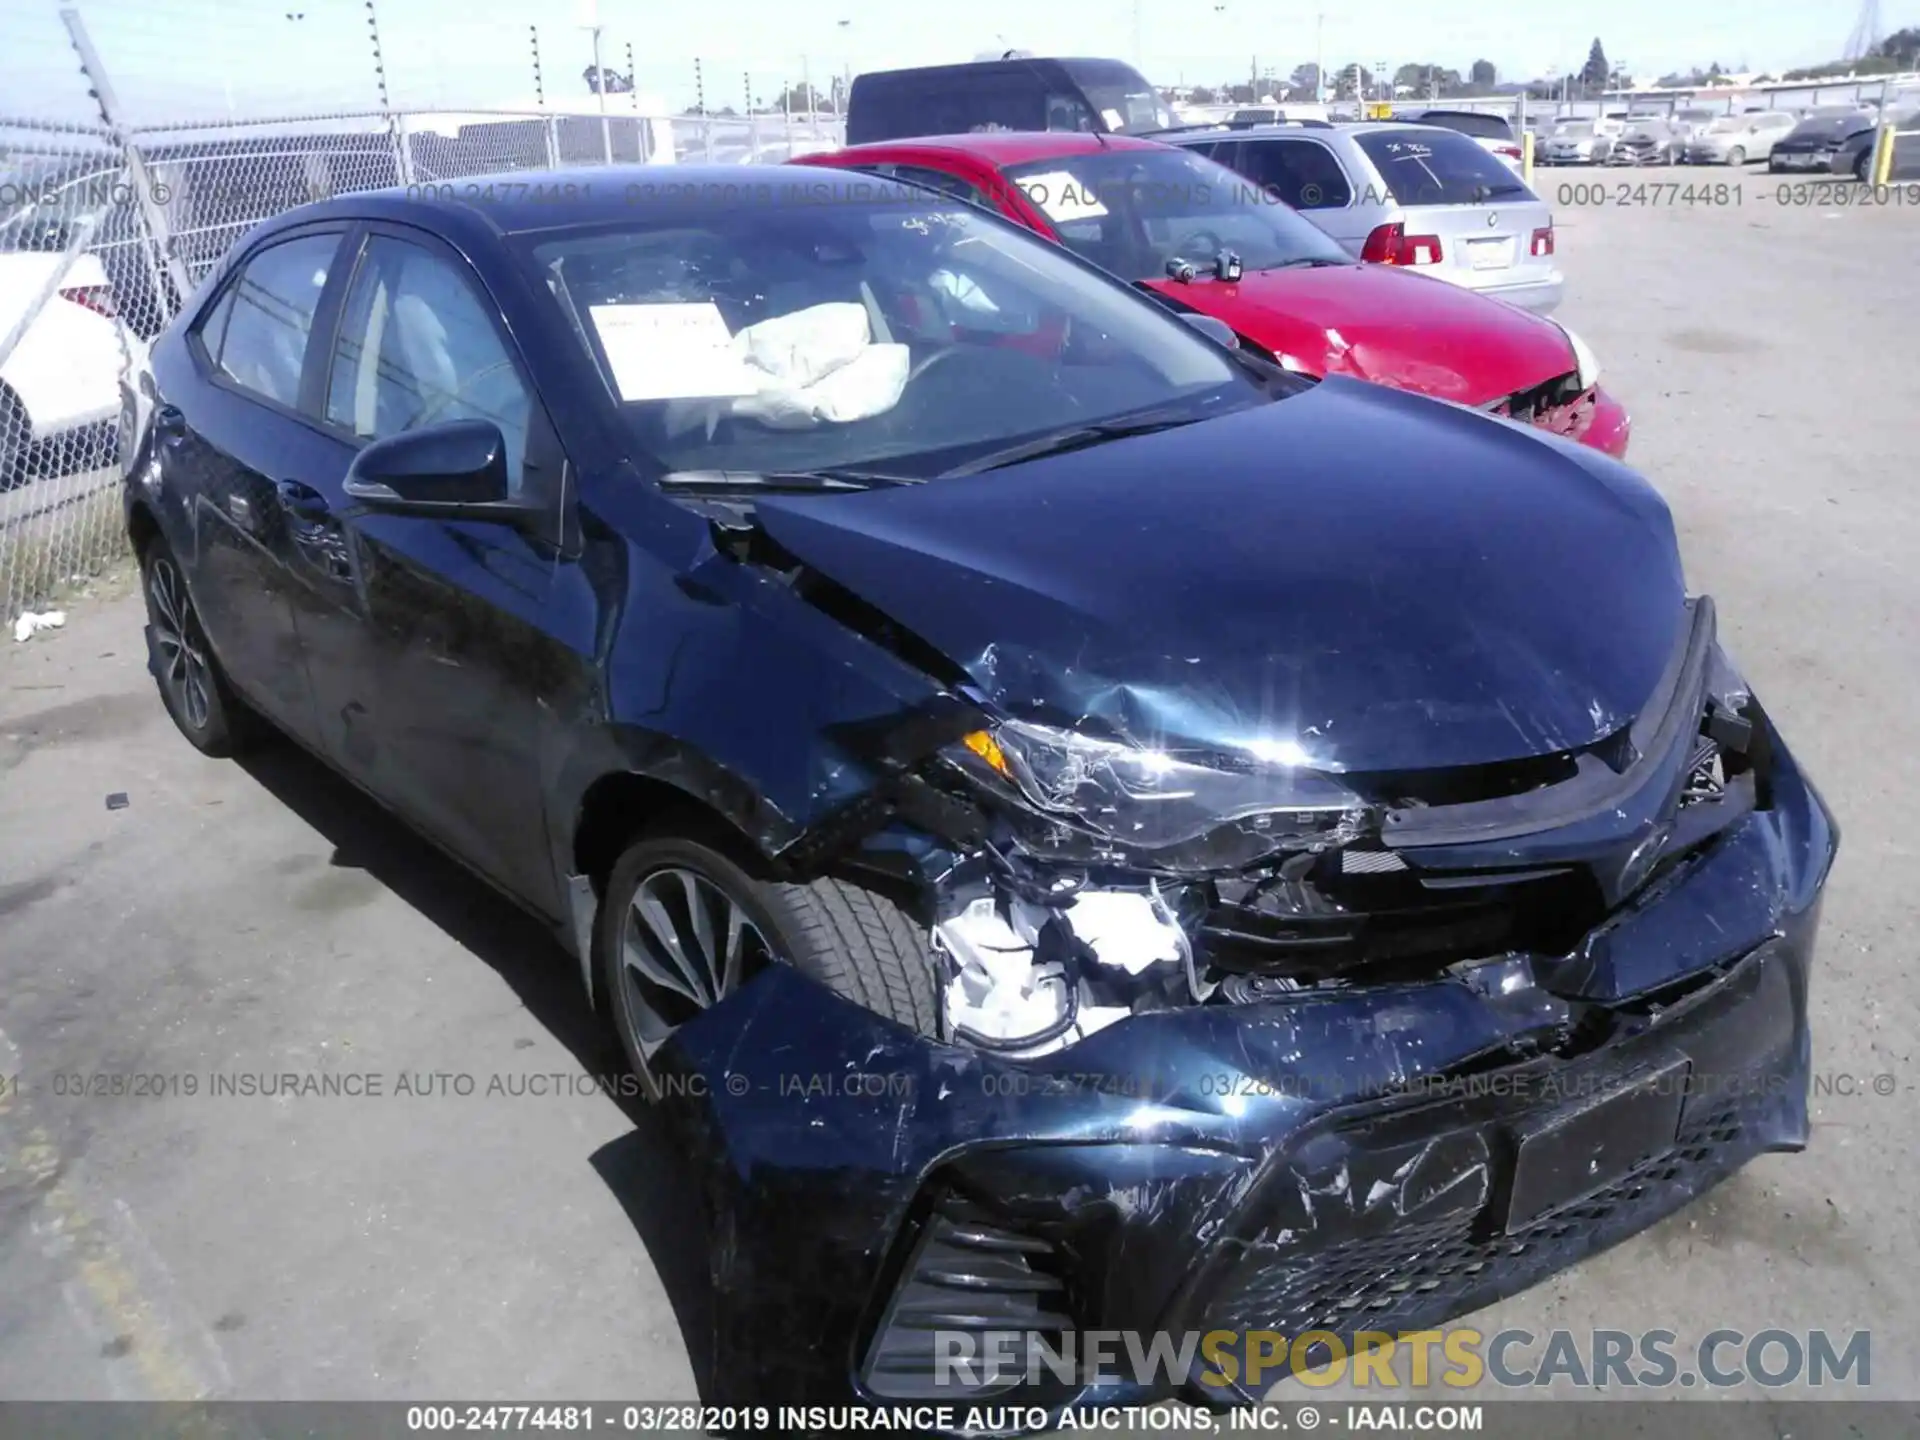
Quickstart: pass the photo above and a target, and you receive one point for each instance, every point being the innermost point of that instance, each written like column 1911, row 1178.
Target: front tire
column 682, row 927
column 1736, row 157
column 192, row 686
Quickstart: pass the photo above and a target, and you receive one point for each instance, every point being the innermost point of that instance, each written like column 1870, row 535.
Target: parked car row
column 1367, row 300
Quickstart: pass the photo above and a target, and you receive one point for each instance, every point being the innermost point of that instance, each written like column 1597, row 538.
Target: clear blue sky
column 172, row 58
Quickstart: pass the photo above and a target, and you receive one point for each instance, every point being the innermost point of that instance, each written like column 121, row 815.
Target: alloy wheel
column 685, row 945
column 180, row 645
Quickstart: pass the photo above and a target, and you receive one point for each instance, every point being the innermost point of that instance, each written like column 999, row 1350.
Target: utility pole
column 600, row 85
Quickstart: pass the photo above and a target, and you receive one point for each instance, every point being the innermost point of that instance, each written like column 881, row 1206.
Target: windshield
column 1573, row 129
column 873, row 330
column 1729, row 124
column 1133, row 211
column 1121, row 96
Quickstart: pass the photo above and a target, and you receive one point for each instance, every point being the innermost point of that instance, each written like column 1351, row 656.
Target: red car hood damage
column 1377, row 323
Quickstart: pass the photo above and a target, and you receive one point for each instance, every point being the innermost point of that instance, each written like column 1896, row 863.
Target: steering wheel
column 1191, row 247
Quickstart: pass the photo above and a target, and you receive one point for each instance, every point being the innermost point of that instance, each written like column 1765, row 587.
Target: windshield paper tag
column 1062, row 197
column 671, row 352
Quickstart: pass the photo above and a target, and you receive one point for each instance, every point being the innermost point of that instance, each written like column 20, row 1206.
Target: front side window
column 956, row 186
column 1301, row 173
column 889, row 332
column 418, row 347
column 1134, row 211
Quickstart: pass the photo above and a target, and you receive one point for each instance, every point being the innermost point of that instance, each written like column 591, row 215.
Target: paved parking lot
column 261, row 919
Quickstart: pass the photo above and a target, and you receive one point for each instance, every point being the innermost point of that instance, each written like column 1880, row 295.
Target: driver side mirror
column 454, row 471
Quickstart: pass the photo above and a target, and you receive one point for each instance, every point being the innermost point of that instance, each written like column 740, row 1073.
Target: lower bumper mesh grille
column 1414, row 1277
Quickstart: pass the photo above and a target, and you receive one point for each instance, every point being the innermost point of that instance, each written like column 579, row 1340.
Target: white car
column 63, row 377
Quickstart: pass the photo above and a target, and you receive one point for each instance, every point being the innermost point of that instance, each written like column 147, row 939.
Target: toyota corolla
column 1086, row 829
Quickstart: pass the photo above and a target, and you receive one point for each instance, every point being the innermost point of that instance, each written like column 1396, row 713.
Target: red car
column 1206, row 240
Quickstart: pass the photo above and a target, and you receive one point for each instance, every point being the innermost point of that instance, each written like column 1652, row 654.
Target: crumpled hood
column 1376, row 322
column 1386, row 582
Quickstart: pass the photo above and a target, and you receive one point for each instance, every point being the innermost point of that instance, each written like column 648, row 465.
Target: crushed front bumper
column 1360, row 1159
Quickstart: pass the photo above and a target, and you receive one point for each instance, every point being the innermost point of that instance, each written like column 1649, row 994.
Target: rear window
column 1481, row 127
column 898, row 106
column 1436, row 167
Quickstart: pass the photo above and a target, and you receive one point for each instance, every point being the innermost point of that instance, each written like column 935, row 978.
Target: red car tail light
column 1391, row 245
column 1543, row 241
column 1512, row 152
column 97, row 298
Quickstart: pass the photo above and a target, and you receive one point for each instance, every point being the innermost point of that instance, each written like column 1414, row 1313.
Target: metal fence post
column 402, row 148
column 145, row 193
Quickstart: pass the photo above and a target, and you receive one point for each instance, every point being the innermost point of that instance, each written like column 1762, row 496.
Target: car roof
column 997, row 62
column 1009, row 147
column 528, row 201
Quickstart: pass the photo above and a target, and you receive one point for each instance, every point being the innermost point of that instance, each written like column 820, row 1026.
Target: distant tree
column 1241, row 94
column 1596, row 70
column 1902, row 47
column 1305, row 77
column 1202, row 95
column 1343, row 79
column 1412, row 77
column 1484, row 76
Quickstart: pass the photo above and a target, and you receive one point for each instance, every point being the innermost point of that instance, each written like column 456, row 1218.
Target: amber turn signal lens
column 988, row 749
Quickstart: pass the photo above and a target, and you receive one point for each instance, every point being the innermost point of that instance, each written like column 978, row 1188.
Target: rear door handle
column 303, row 502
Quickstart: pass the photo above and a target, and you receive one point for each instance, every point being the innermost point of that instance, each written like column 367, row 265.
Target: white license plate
column 1799, row 162
column 1490, row 254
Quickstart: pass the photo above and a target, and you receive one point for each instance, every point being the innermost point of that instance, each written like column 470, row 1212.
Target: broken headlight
column 1585, row 365
column 1149, row 799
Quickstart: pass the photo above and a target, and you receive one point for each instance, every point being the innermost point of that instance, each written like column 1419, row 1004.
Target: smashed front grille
column 1351, row 921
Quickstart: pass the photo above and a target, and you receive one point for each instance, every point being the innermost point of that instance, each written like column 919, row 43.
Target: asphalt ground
column 261, row 918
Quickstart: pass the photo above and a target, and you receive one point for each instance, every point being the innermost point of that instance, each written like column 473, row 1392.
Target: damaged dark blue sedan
column 1088, row 831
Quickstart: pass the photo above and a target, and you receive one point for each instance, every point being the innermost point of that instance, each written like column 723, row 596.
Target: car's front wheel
column 1736, row 157
column 1863, row 166
column 682, row 928
column 191, row 683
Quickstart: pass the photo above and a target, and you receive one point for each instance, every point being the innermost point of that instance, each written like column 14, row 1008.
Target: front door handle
column 303, row 502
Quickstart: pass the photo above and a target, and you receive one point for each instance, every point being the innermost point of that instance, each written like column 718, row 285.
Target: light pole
column 1320, row 57
column 845, row 28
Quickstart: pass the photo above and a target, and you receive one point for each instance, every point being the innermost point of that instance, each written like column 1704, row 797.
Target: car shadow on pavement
column 644, row 1168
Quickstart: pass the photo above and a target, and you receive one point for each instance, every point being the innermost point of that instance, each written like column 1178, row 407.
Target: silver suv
column 1413, row 195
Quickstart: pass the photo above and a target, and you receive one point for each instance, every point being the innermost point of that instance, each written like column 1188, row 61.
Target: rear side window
column 1301, row 173
column 954, row 185
column 1436, row 167
column 257, row 334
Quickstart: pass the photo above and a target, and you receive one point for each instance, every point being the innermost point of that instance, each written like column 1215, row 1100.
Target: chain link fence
column 107, row 226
